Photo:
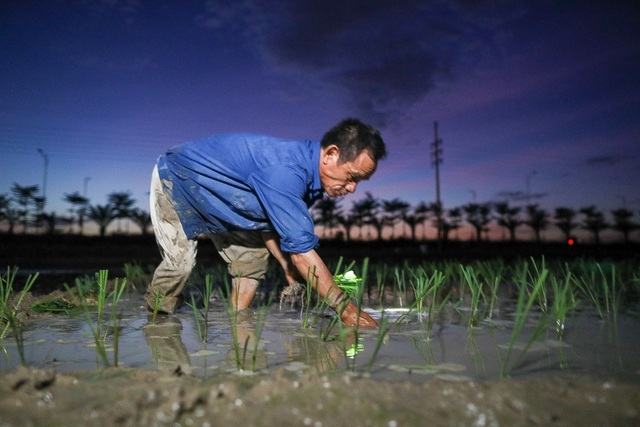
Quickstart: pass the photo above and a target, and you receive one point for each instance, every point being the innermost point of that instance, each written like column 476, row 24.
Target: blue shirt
column 245, row 182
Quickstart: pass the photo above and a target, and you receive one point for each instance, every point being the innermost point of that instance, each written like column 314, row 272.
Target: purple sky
column 544, row 92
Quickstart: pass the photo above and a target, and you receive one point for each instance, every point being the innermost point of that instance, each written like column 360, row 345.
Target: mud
column 134, row 397
column 173, row 395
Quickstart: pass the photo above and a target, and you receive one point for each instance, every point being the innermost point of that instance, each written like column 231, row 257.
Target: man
column 251, row 194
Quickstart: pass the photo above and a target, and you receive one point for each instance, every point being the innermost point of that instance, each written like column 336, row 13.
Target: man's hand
column 349, row 317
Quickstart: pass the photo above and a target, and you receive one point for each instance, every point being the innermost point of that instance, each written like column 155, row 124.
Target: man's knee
column 255, row 268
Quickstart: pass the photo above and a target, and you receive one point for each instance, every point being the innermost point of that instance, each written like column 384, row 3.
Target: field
column 492, row 335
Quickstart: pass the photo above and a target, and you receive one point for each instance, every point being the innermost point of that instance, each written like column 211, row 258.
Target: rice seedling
column 201, row 317
column 353, row 288
column 542, row 298
column 609, row 288
column 135, row 275
column 564, row 301
column 526, row 299
column 157, row 303
column 399, row 286
column 241, row 344
column 232, row 314
column 474, row 285
column 99, row 330
column 381, row 337
column 261, row 320
column 493, row 274
column 10, row 306
column 588, row 289
column 425, row 287
column 381, row 278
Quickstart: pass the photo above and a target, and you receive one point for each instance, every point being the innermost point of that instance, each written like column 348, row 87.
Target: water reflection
column 164, row 338
column 275, row 339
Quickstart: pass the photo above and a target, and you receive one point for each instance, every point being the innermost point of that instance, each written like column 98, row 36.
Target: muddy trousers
column 244, row 251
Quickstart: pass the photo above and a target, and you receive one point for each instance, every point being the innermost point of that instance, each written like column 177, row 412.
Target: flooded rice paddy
column 411, row 349
column 460, row 364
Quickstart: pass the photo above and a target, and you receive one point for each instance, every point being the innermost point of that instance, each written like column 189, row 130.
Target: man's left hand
column 349, row 317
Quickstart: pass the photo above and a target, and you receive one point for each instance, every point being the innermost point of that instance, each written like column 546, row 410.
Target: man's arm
column 272, row 242
column 310, row 265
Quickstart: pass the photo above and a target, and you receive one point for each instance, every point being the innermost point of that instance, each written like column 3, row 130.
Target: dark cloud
column 383, row 55
column 520, row 196
column 604, row 160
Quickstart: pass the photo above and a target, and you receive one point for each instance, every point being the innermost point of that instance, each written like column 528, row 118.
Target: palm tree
column 537, row 219
column 327, row 212
column 39, row 203
column 394, row 210
column 365, row 212
column 565, row 221
column 122, row 203
column 24, row 197
column 102, row 215
column 622, row 222
column 593, row 222
column 347, row 222
column 478, row 216
column 79, row 206
column 437, row 213
column 508, row 218
column 416, row 217
column 453, row 222
column 49, row 219
column 5, row 206
column 142, row 219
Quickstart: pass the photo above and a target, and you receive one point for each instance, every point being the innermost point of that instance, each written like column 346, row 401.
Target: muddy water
column 451, row 351
column 289, row 376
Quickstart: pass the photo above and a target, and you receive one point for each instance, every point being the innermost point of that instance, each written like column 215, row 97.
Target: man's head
column 349, row 154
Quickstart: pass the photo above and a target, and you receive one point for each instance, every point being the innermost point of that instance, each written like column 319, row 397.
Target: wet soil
column 133, row 397
column 171, row 394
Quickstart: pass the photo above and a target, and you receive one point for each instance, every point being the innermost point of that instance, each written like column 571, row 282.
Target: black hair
column 351, row 136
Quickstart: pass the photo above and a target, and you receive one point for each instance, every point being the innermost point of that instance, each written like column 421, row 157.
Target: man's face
column 341, row 179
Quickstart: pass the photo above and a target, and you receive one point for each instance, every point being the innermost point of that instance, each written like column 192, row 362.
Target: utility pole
column 436, row 160
column 436, row 154
column 528, row 186
column 44, row 178
column 86, row 182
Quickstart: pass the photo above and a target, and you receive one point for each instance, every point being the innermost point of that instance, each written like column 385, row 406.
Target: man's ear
column 332, row 152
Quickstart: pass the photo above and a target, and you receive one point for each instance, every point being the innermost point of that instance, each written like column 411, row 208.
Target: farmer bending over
column 251, row 195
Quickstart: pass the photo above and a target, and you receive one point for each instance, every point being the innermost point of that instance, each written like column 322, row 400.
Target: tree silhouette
column 49, row 220
column 508, row 217
column 25, row 198
column 478, row 216
column 326, row 212
column 453, row 222
column 7, row 213
column 537, row 219
column 415, row 217
column 622, row 222
column 24, row 206
column 79, row 206
column 142, row 219
column 347, row 221
column 121, row 202
column 365, row 211
column 102, row 215
column 564, row 220
column 593, row 221
column 394, row 210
